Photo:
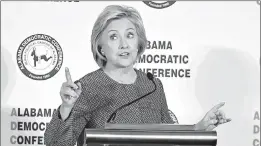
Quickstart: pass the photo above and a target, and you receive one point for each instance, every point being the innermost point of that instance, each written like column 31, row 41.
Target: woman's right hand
column 69, row 93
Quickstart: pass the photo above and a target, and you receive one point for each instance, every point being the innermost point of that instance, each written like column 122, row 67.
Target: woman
column 118, row 39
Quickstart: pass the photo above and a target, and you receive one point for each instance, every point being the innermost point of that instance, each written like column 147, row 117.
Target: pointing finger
column 228, row 120
column 68, row 75
column 223, row 121
column 215, row 108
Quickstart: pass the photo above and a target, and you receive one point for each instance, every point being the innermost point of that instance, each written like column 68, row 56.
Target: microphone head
column 150, row 76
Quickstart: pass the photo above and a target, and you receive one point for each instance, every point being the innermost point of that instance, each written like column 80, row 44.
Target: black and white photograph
column 126, row 73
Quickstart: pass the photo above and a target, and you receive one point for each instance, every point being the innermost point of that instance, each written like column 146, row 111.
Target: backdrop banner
column 204, row 52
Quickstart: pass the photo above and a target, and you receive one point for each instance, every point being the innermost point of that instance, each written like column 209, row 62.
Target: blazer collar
column 142, row 84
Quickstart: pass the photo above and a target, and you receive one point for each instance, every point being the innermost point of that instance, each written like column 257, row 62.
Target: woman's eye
column 113, row 37
column 130, row 35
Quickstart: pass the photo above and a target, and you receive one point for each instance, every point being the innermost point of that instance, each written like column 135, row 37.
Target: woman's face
column 119, row 43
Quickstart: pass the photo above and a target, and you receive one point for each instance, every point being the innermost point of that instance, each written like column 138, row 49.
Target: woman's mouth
column 124, row 54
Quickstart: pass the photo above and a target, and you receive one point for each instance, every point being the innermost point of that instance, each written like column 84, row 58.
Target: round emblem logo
column 159, row 4
column 39, row 57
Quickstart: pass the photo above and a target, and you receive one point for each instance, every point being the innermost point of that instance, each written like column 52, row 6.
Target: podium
column 150, row 134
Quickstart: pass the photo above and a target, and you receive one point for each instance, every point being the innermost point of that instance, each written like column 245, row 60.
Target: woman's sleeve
column 60, row 133
column 66, row 132
column 165, row 116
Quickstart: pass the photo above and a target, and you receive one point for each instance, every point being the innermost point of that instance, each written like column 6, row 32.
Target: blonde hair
column 114, row 12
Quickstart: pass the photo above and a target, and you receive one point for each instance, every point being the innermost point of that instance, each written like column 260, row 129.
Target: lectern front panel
column 109, row 136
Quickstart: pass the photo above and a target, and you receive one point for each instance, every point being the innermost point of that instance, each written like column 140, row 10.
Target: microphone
column 113, row 115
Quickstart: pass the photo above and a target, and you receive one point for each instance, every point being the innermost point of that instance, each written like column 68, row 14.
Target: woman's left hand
column 212, row 119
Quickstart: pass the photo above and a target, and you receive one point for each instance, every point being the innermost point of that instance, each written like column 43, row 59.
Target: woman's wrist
column 195, row 127
column 65, row 110
column 67, row 106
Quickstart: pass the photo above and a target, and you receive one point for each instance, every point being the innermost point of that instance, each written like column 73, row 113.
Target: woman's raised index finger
column 216, row 107
column 68, row 75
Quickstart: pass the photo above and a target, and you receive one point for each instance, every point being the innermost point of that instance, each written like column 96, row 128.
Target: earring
column 103, row 54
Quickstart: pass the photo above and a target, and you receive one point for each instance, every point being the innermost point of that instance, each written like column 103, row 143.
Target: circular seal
column 39, row 57
column 159, row 4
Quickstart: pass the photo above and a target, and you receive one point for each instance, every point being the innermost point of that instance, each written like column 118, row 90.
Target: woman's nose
column 123, row 44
